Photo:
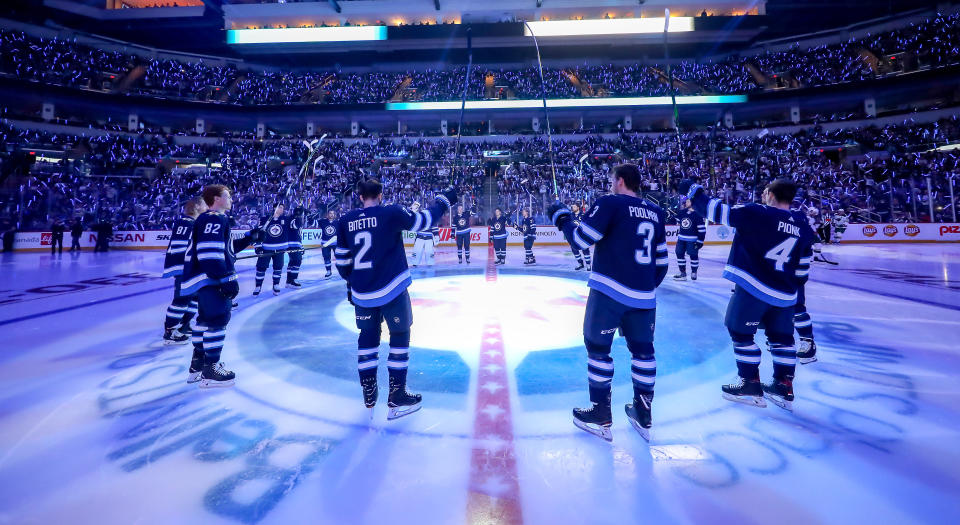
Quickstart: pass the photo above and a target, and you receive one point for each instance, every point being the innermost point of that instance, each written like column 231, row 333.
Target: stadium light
column 566, row 103
column 614, row 26
column 289, row 35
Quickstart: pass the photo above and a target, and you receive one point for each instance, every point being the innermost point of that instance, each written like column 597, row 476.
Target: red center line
column 494, row 490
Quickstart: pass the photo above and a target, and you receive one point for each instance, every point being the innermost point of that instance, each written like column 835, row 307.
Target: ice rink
column 97, row 424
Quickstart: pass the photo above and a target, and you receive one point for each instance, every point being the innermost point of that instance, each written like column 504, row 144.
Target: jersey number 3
column 365, row 241
column 645, row 254
column 780, row 253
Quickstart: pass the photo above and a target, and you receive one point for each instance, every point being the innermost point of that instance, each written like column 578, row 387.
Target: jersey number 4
column 780, row 253
column 365, row 242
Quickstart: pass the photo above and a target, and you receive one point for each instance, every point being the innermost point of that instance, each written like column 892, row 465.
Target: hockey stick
column 276, row 252
column 546, row 114
column 463, row 101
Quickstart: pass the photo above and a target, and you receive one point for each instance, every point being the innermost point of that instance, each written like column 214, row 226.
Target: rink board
column 546, row 236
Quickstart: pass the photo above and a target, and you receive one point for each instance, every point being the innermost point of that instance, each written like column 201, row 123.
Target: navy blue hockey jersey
column 528, row 228
column 294, row 234
column 211, row 254
column 461, row 223
column 772, row 248
column 630, row 259
column 692, row 228
column 498, row 228
column 370, row 254
column 275, row 233
column 177, row 247
column 328, row 232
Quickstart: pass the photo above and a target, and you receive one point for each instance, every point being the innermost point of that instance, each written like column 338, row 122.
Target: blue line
column 78, row 306
column 95, row 303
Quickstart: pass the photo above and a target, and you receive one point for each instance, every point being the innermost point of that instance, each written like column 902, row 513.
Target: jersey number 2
column 645, row 254
column 365, row 240
column 780, row 253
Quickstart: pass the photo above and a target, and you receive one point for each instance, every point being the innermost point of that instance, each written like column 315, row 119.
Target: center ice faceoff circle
column 450, row 313
column 310, row 339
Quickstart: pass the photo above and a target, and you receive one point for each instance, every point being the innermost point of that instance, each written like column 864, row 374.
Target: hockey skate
column 639, row 413
column 196, row 367
column 596, row 420
column 400, row 402
column 807, row 353
column 174, row 338
column 533, row 260
column 276, row 289
column 579, row 267
column 294, row 284
column 370, row 393
column 748, row 392
column 680, row 277
column 327, row 275
column 780, row 393
column 693, row 276
column 215, row 376
column 256, row 291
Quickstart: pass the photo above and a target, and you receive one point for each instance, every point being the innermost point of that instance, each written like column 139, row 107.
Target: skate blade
column 206, row 383
column 756, row 401
column 780, row 402
column 644, row 432
column 194, row 377
column 167, row 342
column 806, row 360
column 602, row 432
column 398, row 412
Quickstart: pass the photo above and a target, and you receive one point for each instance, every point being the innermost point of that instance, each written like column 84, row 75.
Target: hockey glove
column 559, row 214
column 699, row 244
column 258, row 250
column 230, row 289
column 256, row 235
column 350, row 296
column 451, row 195
column 689, row 188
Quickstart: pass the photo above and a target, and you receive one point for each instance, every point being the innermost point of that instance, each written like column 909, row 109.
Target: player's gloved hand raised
column 256, row 235
column 559, row 214
column 689, row 188
column 230, row 289
column 451, row 195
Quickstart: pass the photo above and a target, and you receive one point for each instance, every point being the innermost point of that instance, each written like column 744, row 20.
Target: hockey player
column 328, row 240
column 208, row 273
column 295, row 243
column 183, row 307
column 630, row 262
column 690, row 237
column 424, row 245
column 275, row 241
column 371, row 258
column 498, row 233
column 770, row 258
column 461, row 225
column 840, row 222
column 529, row 230
column 583, row 256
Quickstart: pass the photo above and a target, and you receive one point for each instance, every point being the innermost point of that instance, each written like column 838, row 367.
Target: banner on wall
column 546, row 236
